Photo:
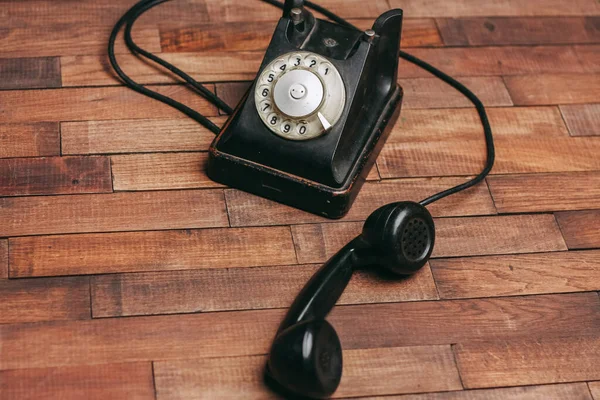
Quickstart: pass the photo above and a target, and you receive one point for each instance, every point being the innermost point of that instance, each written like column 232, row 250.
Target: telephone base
column 296, row 191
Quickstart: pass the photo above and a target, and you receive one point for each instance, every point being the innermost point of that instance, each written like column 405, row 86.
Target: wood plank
column 57, row 38
column 161, row 171
column 256, row 35
column 242, row 333
column 574, row 391
column 475, row 8
column 582, row 119
column 55, row 175
column 553, row 88
column 558, row 272
column 580, row 228
column 493, row 31
column 527, row 362
column 595, row 389
column 455, row 237
column 28, row 73
column 234, row 11
column 112, row 212
column 589, row 57
column 29, row 140
column 202, row 66
column 34, row 300
column 494, row 61
column 249, row 210
column 418, row 93
column 84, row 104
column 517, row 154
column 545, row 192
column 136, row 136
column 243, row 65
column 464, row 124
column 152, row 251
column 3, row 258
column 366, row 372
column 238, row 289
column 97, row 382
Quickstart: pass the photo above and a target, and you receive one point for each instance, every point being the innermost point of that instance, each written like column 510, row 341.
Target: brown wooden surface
column 126, row 273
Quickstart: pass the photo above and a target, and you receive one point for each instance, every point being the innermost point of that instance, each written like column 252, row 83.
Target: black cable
column 210, row 96
column 144, row 5
column 141, row 89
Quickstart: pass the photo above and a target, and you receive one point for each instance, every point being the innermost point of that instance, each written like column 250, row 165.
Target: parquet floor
column 125, row 273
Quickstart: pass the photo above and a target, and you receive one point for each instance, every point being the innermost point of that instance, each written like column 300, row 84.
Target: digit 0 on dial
column 300, row 95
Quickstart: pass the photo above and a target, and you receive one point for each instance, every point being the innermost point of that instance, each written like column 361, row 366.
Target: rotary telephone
column 312, row 124
column 307, row 133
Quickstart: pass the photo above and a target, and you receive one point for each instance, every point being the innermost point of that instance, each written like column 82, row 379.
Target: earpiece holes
column 415, row 239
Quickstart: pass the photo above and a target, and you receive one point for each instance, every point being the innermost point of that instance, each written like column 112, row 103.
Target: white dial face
column 300, row 95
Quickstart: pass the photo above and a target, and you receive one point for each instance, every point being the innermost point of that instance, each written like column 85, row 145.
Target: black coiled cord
column 129, row 18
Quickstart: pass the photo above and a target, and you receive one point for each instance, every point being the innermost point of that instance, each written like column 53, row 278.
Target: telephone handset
column 313, row 122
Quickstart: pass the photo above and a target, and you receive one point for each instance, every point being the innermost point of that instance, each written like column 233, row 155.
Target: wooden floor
column 125, row 273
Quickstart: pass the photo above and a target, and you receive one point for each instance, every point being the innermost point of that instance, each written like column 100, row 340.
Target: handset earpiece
column 306, row 356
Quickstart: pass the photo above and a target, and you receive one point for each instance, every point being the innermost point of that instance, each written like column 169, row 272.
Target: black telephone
column 312, row 124
column 307, row 133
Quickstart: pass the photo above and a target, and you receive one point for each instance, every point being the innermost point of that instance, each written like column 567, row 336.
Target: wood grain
column 589, row 57
column 29, row 140
column 34, row 300
column 239, row 289
column 493, row 31
column 580, row 228
column 515, row 154
column 529, row 362
column 97, row 382
column 56, row 175
column 152, row 251
column 135, row 136
column 28, row 73
column 575, row 391
column 512, row 275
column 256, row 35
column 419, row 93
column 84, row 104
column 249, row 210
column 545, row 192
column 582, row 119
column 595, row 389
column 57, row 38
column 468, row 8
column 464, row 124
column 494, row 61
column 112, row 212
column 202, row 66
column 366, row 372
column 455, row 237
column 3, row 259
column 553, row 89
column 232, row 10
column 161, row 171
column 466, row 321
column 242, row 333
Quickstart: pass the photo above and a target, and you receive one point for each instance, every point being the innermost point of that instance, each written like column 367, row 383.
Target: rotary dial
column 300, row 95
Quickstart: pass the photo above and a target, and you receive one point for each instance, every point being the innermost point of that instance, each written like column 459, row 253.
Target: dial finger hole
column 280, row 65
column 266, row 106
column 325, row 69
column 287, row 126
column 302, row 129
column 264, row 91
column 295, row 60
column 268, row 77
column 311, row 61
column 273, row 119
